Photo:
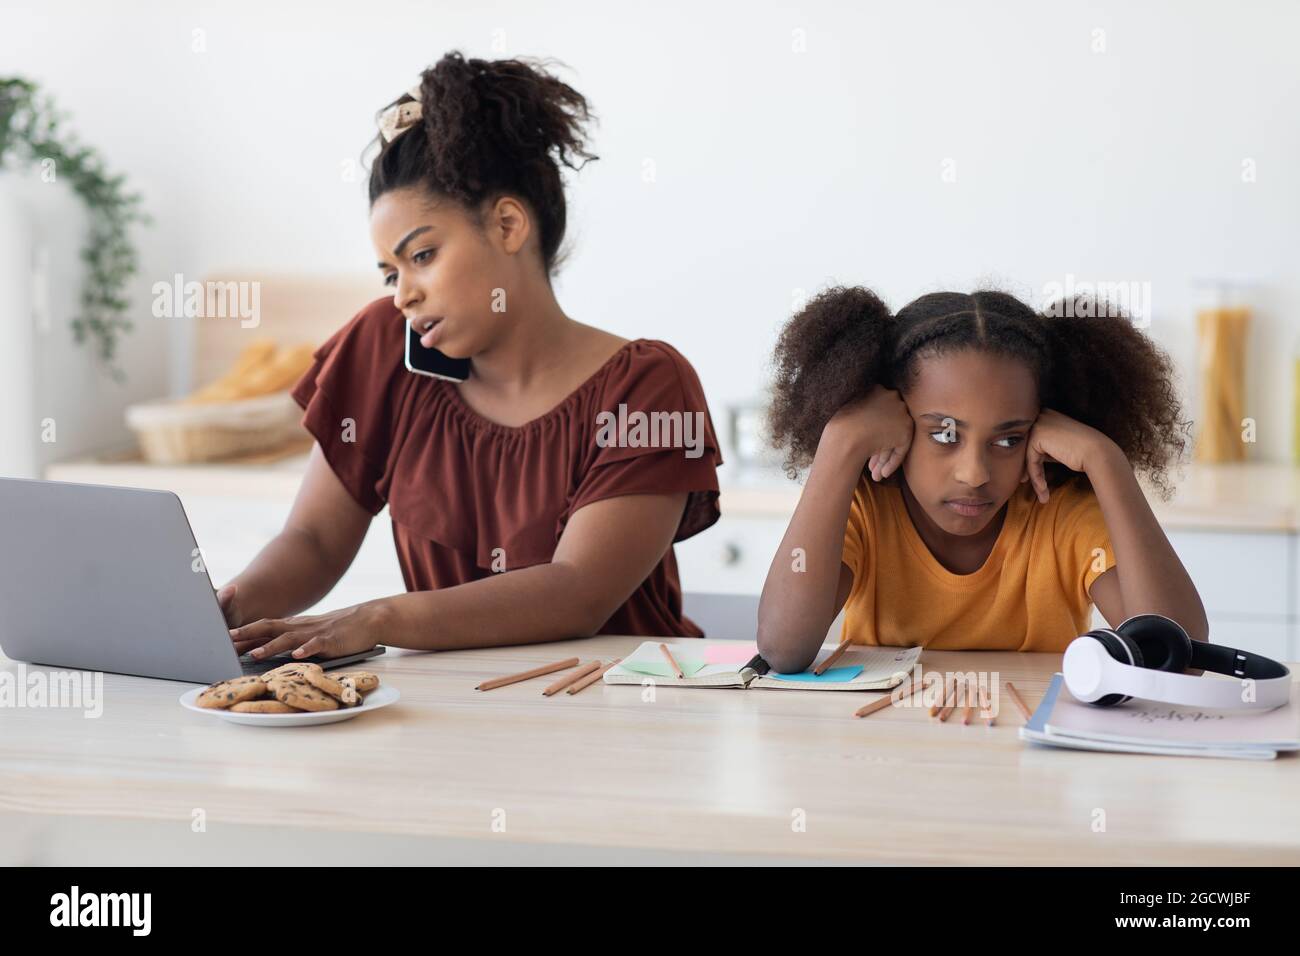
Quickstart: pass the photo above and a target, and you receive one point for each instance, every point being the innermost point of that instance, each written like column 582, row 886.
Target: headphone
column 1146, row 657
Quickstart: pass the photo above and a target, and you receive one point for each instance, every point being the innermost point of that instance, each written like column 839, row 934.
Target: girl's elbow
column 779, row 653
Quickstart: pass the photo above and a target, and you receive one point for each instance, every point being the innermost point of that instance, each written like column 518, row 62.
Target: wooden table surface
column 451, row 774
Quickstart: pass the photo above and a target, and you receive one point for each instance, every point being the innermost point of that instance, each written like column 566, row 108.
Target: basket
column 174, row 432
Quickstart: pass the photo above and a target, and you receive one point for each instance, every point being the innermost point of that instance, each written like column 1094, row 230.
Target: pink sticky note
column 732, row 652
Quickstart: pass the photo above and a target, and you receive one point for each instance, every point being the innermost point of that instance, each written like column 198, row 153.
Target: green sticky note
column 661, row 668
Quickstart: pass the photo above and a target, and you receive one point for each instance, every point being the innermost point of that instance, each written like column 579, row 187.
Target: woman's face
column 445, row 268
column 973, row 412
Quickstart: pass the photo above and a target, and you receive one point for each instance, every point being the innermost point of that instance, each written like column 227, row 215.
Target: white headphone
column 1146, row 656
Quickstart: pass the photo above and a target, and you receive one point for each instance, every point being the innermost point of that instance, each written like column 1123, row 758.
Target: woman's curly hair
column 490, row 128
column 1090, row 362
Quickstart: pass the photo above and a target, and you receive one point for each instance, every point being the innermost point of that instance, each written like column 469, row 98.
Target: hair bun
column 488, row 128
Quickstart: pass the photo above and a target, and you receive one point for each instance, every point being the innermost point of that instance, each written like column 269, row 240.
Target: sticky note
column 738, row 652
column 834, row 675
column 661, row 668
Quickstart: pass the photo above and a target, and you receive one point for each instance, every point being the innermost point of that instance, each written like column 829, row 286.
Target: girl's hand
column 879, row 426
column 348, row 630
column 1059, row 438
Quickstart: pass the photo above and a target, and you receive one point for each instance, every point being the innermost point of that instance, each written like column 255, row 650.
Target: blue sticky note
column 832, row 676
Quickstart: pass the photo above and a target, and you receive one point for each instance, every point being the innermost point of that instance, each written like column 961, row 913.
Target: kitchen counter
column 1249, row 496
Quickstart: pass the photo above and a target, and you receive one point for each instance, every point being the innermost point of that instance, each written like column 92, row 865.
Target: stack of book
column 1147, row 727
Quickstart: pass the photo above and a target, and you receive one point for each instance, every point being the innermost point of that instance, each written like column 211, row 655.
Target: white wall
column 777, row 170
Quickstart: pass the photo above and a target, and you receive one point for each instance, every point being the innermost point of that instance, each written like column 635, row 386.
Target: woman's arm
column 607, row 550
column 1151, row 579
column 302, row 563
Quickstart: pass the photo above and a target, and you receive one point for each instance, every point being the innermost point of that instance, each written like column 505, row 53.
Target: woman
column 518, row 515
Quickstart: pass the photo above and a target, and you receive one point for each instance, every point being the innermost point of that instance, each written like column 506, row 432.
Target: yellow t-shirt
column 1031, row 594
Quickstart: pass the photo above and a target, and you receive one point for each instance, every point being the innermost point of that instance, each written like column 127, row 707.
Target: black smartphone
column 426, row 361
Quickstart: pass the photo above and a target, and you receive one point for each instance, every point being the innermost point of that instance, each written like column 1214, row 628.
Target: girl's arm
column 798, row 606
column 1151, row 579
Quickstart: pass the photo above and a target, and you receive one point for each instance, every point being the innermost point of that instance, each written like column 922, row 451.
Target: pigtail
column 832, row 352
column 1108, row 374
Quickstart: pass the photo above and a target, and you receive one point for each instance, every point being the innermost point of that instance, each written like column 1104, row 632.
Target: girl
column 972, row 463
column 508, row 471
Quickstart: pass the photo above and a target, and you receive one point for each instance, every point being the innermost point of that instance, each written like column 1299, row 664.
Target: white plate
column 381, row 696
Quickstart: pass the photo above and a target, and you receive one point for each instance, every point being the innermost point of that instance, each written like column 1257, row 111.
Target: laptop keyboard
column 251, row 665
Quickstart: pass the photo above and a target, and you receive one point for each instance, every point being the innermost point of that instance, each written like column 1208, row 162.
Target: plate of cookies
column 292, row 695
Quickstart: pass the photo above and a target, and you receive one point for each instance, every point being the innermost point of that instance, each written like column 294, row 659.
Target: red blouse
column 469, row 497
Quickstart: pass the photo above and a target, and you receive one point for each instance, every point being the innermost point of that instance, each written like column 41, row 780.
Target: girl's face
column 444, row 267
column 972, row 411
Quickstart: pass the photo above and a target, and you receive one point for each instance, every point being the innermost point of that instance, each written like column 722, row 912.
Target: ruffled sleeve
column 1081, row 538
column 653, row 435
column 350, row 398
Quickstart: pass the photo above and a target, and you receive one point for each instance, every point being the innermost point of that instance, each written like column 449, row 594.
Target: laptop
column 101, row 578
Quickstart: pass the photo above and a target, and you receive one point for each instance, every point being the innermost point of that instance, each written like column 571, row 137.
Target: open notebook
column 738, row 664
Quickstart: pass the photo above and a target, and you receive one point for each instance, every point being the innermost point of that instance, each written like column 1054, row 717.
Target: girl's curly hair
column 1090, row 362
column 490, row 128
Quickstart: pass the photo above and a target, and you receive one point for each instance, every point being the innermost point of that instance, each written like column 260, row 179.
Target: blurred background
column 750, row 154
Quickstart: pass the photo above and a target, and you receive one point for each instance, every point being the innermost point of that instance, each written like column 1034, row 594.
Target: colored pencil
column 592, row 678
column 671, row 661
column 568, row 679
column 887, row 700
column 948, row 707
column 834, row 656
column 527, row 675
column 1015, row 695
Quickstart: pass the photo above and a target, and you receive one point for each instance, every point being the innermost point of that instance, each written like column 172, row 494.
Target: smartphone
column 426, row 361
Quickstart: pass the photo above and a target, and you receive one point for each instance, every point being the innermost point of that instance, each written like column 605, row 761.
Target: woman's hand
column 348, row 630
column 227, row 600
column 879, row 426
column 1059, row 438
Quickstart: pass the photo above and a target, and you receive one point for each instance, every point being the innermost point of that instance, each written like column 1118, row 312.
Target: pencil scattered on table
column 984, row 705
column 1015, row 695
column 886, row 701
column 935, row 708
column 834, row 656
column 948, row 706
column 528, row 675
column 672, row 662
column 568, row 679
column 592, row 677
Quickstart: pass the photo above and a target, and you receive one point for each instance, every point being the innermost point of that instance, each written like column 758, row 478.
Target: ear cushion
column 1125, row 650
column 1165, row 646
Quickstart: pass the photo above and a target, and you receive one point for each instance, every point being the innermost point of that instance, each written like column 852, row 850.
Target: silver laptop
column 99, row 578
